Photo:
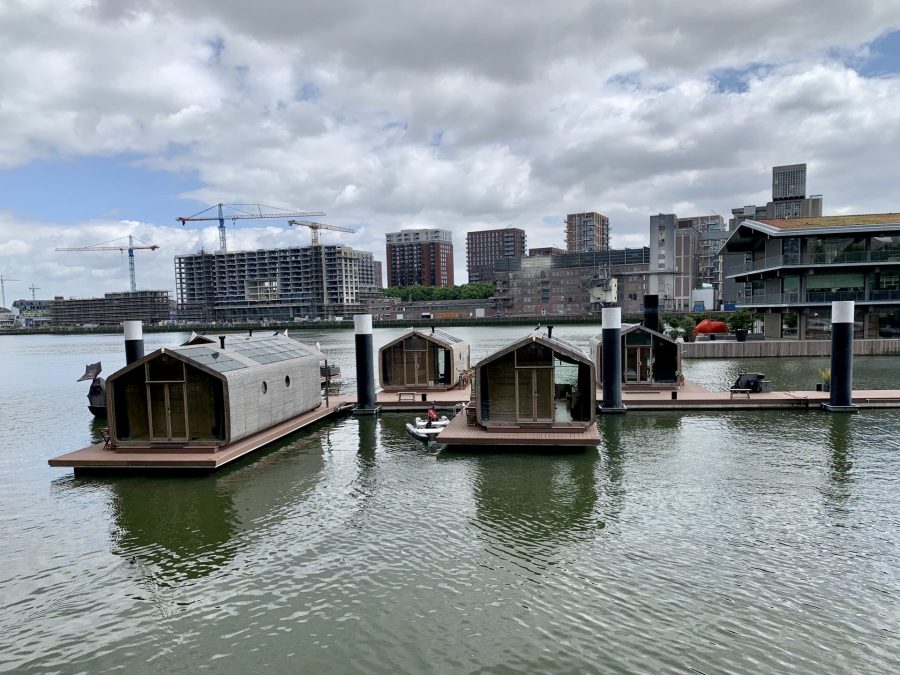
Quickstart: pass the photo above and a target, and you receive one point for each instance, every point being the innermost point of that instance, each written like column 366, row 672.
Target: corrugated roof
column 244, row 352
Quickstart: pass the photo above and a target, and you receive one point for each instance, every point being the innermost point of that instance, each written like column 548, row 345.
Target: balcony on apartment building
column 819, row 298
column 846, row 258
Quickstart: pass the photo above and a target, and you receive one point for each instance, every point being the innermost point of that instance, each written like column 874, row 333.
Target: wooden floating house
column 423, row 361
column 208, row 394
column 648, row 357
column 537, row 391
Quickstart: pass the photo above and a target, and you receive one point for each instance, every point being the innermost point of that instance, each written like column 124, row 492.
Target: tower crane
column 131, row 248
column 243, row 212
column 314, row 228
column 3, row 280
column 33, row 288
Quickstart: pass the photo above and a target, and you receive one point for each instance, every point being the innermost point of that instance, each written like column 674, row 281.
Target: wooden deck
column 420, row 400
column 692, row 396
column 458, row 432
column 98, row 458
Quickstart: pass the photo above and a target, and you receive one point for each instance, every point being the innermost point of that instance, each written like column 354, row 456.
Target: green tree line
column 473, row 291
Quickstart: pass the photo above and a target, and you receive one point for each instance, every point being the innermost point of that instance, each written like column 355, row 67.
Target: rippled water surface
column 734, row 542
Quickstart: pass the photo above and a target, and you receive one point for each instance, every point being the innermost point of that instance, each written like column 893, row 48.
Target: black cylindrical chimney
column 651, row 312
column 221, row 342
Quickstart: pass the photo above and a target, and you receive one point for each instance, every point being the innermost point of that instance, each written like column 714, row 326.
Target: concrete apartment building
column 287, row 284
column 571, row 284
column 421, row 257
column 674, row 257
column 791, row 270
column 713, row 231
column 483, row 247
column 587, row 232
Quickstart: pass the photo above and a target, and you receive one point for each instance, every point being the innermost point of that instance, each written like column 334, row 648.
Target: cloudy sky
column 116, row 117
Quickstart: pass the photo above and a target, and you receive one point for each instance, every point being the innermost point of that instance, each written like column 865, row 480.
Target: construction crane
column 33, row 288
column 3, row 280
column 131, row 248
column 314, row 228
column 243, row 212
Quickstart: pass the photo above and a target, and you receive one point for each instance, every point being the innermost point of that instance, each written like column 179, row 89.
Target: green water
column 718, row 542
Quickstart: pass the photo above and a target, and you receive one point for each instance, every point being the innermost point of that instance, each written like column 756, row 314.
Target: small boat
column 440, row 423
column 423, row 433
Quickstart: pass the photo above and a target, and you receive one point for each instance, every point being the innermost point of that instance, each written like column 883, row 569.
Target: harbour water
column 746, row 541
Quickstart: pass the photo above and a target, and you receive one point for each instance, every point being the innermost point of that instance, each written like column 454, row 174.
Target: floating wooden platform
column 99, row 458
column 459, row 432
column 689, row 396
column 692, row 396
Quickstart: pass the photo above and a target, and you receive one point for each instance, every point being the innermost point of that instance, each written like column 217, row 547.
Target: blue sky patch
column 884, row 57
column 69, row 191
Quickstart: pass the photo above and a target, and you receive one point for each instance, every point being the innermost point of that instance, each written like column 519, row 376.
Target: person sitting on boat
column 432, row 415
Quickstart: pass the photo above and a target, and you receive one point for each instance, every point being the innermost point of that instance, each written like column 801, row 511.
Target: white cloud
column 461, row 115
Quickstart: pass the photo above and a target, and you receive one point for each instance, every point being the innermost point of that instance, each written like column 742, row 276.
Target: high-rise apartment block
column 485, row 246
column 420, row 257
column 277, row 284
column 587, row 232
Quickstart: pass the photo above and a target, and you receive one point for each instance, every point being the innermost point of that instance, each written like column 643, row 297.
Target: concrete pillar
column 365, row 366
column 134, row 341
column 841, row 399
column 612, row 361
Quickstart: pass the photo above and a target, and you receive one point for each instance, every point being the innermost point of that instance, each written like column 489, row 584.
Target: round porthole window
column 265, row 387
column 287, row 380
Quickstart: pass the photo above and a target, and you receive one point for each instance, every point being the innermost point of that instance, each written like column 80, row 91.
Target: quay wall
column 770, row 348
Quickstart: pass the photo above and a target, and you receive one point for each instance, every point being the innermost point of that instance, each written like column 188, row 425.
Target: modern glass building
column 793, row 269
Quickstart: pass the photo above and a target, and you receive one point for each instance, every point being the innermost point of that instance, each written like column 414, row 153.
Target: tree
column 742, row 319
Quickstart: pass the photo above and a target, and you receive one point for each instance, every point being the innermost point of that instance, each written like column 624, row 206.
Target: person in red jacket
column 432, row 415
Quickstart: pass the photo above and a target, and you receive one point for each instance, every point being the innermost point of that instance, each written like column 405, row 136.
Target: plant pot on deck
column 740, row 335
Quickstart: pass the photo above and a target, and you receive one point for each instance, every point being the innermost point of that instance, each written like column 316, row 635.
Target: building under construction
column 298, row 283
column 151, row 307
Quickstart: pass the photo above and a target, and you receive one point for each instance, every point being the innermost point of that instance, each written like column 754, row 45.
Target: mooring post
column 841, row 398
column 134, row 341
column 365, row 366
column 612, row 360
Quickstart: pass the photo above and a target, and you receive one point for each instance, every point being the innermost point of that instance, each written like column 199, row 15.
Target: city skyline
column 116, row 121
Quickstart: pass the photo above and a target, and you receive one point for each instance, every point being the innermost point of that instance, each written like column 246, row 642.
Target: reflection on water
column 838, row 428
column 536, row 502
column 175, row 528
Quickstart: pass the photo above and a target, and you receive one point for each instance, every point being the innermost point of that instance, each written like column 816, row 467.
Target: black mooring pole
column 365, row 366
column 134, row 341
column 841, row 398
column 612, row 360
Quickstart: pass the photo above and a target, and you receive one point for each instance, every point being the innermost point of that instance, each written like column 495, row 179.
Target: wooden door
column 167, row 411
column 534, row 394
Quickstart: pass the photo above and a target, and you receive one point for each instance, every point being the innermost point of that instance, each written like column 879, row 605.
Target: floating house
column 648, row 357
column 423, row 361
column 537, row 391
column 208, row 394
